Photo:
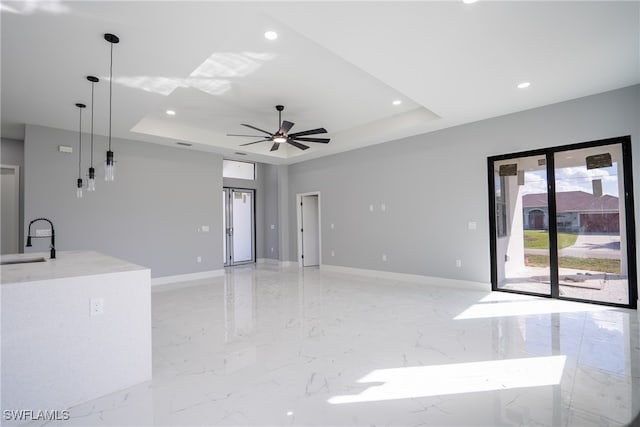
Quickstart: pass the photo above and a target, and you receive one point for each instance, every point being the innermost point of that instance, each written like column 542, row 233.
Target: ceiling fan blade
column 285, row 127
column 254, row 142
column 275, row 146
column 252, row 136
column 258, row 129
column 296, row 144
column 322, row 140
column 308, row 132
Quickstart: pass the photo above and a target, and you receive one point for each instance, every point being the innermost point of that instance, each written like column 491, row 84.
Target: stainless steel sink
column 21, row 260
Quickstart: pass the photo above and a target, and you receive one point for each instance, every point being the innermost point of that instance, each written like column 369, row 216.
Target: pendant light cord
column 110, row 93
column 80, row 146
column 92, row 87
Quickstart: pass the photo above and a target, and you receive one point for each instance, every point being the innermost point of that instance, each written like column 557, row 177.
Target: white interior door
column 10, row 214
column 310, row 231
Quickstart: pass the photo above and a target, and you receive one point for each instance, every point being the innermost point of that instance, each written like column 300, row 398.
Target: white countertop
column 66, row 264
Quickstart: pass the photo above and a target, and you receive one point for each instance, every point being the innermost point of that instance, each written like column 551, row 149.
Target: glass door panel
column 592, row 256
column 238, row 226
column 242, row 208
column 521, row 220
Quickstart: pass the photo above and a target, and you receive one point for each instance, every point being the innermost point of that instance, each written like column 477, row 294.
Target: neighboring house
column 578, row 211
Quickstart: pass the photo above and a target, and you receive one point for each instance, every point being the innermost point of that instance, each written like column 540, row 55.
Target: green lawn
column 588, row 264
column 538, row 239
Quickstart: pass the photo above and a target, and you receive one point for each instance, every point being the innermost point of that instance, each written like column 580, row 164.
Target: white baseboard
column 411, row 278
column 272, row 261
column 167, row 280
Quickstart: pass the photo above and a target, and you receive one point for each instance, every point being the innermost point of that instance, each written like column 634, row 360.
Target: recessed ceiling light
column 270, row 35
column 469, row 1
column 170, row 112
column 397, row 102
column 523, row 85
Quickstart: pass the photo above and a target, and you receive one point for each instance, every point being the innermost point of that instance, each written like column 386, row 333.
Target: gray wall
column 149, row 215
column 270, row 241
column 12, row 153
column 434, row 184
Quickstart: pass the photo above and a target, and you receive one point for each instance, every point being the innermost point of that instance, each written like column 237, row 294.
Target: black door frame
column 227, row 261
column 630, row 227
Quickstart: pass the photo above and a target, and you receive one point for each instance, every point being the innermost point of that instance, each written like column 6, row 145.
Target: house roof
column 573, row 201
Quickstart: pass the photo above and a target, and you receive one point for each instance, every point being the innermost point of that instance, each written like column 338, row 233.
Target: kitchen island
column 73, row 328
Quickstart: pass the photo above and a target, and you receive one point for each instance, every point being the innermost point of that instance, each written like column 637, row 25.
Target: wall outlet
column 43, row 232
column 333, row 226
column 272, row 250
column 205, row 228
column 96, row 306
column 384, row 257
column 473, row 225
column 458, row 263
column 333, row 253
column 383, row 207
column 370, row 208
column 198, row 259
column 273, row 226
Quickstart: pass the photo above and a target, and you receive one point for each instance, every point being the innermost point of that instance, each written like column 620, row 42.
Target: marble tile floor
column 268, row 345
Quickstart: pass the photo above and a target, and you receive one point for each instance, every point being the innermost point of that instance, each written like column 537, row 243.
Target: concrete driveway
column 594, row 246
column 588, row 246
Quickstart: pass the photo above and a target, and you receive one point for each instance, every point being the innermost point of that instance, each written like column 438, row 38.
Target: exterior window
column 501, row 206
column 238, row 170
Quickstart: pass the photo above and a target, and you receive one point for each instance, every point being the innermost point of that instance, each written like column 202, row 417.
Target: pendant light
column 109, row 167
column 79, row 182
column 91, row 186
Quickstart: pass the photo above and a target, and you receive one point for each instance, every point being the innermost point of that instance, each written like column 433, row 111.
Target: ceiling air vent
column 184, row 144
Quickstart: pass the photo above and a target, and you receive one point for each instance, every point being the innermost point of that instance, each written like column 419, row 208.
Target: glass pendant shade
column 79, row 189
column 109, row 167
column 91, row 185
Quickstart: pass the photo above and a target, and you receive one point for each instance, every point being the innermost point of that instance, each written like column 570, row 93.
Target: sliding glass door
column 590, row 218
column 562, row 222
column 521, row 224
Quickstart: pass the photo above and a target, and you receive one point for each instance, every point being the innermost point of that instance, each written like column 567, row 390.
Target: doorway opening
column 309, row 229
column 563, row 223
column 238, row 223
column 10, row 215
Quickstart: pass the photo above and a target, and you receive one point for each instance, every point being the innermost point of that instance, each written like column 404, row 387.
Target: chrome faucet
column 53, row 236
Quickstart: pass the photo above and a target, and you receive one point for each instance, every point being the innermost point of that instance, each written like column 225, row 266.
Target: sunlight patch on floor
column 525, row 308
column 423, row 381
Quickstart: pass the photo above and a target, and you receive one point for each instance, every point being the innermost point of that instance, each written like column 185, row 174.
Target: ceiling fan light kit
column 282, row 135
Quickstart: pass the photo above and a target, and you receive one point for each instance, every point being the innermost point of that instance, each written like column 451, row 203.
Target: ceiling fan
column 282, row 135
